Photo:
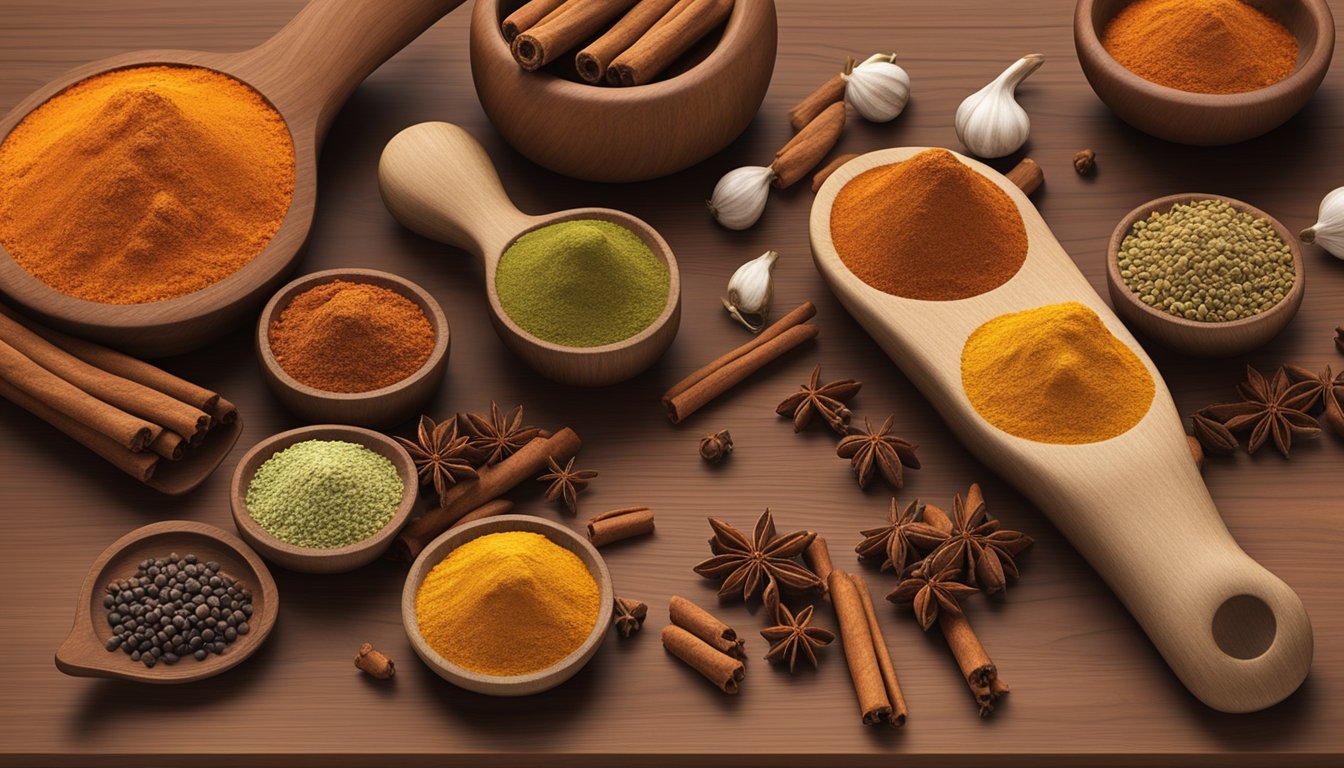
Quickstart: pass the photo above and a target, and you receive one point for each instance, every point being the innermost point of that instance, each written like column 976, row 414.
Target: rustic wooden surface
column 1087, row 685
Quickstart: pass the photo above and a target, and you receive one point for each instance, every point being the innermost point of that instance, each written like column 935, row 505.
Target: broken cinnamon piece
column 976, row 667
column 374, row 663
column 816, row 102
column 619, row 524
column 802, row 153
column 1026, row 176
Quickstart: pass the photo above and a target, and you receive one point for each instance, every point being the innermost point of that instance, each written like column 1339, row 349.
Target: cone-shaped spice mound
column 928, row 228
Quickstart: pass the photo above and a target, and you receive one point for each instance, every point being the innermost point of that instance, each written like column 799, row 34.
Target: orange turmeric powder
column 144, row 184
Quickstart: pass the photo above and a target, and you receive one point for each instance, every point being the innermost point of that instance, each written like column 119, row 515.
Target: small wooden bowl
column 514, row 685
column 1201, row 118
column 305, row 559
column 83, row 654
column 1193, row 337
column 625, row 134
column 378, row 408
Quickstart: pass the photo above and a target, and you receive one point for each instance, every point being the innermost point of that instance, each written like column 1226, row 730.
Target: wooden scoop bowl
column 439, row 182
column 306, row 71
column 1135, row 506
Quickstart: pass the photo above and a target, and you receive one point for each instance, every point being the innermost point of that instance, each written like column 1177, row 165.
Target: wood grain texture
column 1088, row 687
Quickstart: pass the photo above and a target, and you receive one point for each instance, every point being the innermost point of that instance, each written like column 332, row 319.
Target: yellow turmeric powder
column 1055, row 374
column 144, row 184
column 507, row 604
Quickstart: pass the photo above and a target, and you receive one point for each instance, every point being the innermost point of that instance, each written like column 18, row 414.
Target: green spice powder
column 1206, row 261
column 582, row 283
column 324, row 494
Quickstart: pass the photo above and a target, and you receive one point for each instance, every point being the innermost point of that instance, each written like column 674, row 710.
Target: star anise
column 978, row 548
column 908, row 536
column 878, row 451
column 441, row 456
column 1324, row 389
column 1270, row 408
column 1211, row 434
column 629, row 615
column 793, row 636
column 826, row 399
column 1339, row 340
column 498, row 436
column 566, row 483
column 762, row 564
column 935, row 586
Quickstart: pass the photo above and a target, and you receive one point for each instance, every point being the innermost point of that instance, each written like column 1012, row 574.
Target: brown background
column 1086, row 682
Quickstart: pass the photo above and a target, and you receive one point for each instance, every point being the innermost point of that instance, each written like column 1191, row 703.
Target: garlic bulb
column 750, row 290
column 1328, row 231
column 990, row 122
column 740, row 196
column 878, row 89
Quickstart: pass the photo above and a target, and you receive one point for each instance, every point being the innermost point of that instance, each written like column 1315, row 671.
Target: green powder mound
column 324, row 494
column 582, row 283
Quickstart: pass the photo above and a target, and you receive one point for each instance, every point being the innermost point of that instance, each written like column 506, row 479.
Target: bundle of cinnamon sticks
column 705, row 644
column 628, row 42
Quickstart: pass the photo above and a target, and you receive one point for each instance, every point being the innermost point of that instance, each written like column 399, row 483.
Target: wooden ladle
column 438, row 181
column 307, row 71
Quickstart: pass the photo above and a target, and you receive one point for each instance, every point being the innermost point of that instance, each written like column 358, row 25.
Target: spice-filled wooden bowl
column 1207, row 118
column 438, row 181
column 326, row 559
column 1195, row 337
column 382, row 406
column 633, row 133
column 303, row 74
column 519, row 684
column 85, row 654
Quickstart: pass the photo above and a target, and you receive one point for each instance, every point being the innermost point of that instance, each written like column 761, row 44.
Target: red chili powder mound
column 928, row 228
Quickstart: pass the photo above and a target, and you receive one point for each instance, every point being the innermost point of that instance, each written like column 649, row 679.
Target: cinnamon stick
column 815, row 103
column 821, row 176
column 619, row 524
column 374, row 663
column 527, row 16
column 168, row 445
column 720, row 669
column 722, row 374
column 703, row 625
column 859, row 655
column 223, row 412
column 680, row 29
column 976, row 667
column 1027, row 175
column 592, row 61
column 488, row 509
column 802, row 153
column 570, row 26
column 899, row 711
column 818, row 558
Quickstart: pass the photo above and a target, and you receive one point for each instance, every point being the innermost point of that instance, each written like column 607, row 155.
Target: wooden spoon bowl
column 1193, row 337
column 438, row 182
column 306, row 71
column 84, row 653
column 513, row 685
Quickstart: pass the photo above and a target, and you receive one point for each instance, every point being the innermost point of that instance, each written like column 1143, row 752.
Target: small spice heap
column 1206, row 261
column 324, row 494
column 1281, row 408
column 351, row 337
column 175, row 607
column 507, row 604
column 1201, row 46
column 582, row 283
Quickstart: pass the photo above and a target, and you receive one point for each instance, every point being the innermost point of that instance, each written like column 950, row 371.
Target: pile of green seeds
column 324, row 494
column 1206, row 261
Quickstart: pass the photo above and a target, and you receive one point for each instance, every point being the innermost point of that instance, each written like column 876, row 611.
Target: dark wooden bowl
column 378, row 408
column 83, row 654
column 1193, row 337
column 625, row 134
column 1201, row 118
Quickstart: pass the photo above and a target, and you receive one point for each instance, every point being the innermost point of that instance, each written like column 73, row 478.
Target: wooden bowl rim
column 455, row 537
column 281, row 299
column 252, row 460
column 1288, row 304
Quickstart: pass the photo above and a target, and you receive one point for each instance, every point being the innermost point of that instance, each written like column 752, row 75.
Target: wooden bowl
column 625, row 134
column 83, row 654
column 380, row 408
column 1193, row 337
column 307, row 559
column 1201, row 118
column 513, row 685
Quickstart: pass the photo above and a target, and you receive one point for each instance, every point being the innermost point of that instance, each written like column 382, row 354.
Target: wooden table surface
column 1088, row 687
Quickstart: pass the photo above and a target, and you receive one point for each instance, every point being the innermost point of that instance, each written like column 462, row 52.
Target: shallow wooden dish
column 304, row 559
column 1200, row 118
column 83, row 654
column 307, row 71
column 625, row 134
column 379, row 408
column 1135, row 506
column 514, row 685
column 1192, row 336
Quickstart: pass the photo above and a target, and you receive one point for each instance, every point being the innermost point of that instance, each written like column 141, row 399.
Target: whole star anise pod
column 909, row 535
column 1325, row 389
column 566, row 483
column 935, row 586
column 826, row 399
column 1270, row 408
column 629, row 615
column 441, row 456
column 1212, row 435
column 978, row 548
column 878, row 451
column 498, row 436
column 793, row 636
column 759, row 565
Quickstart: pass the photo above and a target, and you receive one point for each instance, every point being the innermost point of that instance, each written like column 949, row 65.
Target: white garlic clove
column 750, row 291
column 990, row 122
column 1328, row 231
column 878, row 89
column 740, row 196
